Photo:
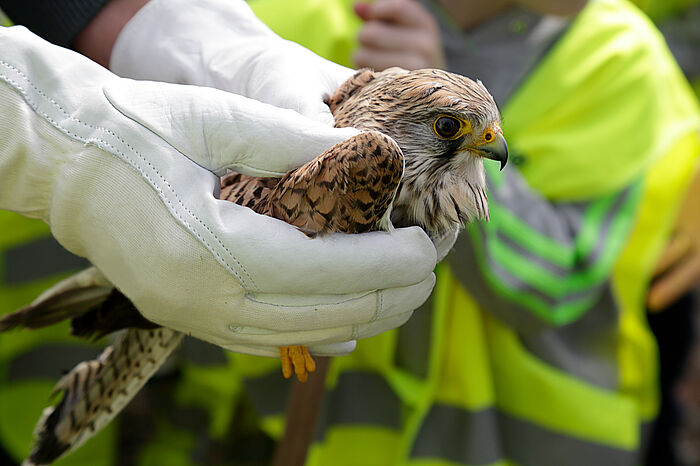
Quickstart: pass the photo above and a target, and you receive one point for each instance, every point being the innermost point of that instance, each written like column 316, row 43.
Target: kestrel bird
column 417, row 161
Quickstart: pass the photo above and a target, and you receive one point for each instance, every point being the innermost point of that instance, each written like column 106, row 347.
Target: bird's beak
column 494, row 150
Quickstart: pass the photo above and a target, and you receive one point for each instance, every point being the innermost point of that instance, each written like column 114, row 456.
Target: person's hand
column 398, row 33
column 678, row 269
column 122, row 172
column 222, row 44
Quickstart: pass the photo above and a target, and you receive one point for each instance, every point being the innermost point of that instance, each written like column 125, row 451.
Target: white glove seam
column 85, row 140
column 380, row 305
column 262, row 172
column 292, row 306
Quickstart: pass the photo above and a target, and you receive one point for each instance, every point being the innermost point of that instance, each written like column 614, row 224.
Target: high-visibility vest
column 605, row 118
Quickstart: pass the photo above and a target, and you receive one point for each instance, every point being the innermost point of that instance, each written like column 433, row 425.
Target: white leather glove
column 122, row 172
column 444, row 244
column 222, row 44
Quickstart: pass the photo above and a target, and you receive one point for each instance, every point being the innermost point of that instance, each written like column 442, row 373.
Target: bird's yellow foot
column 299, row 359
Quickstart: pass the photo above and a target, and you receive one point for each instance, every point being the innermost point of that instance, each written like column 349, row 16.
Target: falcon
column 418, row 160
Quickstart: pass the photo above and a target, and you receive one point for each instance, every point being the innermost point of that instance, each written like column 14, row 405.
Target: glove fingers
column 254, row 350
column 380, row 326
column 319, row 340
column 295, row 313
column 249, row 336
column 233, row 133
column 444, row 244
column 333, row 264
column 332, row 349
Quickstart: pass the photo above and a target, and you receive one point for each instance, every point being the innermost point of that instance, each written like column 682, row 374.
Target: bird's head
column 445, row 124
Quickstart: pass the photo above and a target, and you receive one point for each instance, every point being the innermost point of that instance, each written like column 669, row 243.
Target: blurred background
column 212, row 407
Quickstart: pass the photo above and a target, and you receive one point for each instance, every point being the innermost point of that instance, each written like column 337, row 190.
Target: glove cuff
column 168, row 40
column 222, row 44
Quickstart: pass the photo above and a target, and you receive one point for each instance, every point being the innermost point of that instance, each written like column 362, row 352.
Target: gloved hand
column 122, row 172
column 222, row 44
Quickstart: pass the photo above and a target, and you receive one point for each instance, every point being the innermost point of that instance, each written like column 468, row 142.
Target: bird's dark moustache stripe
column 452, row 148
column 477, row 198
column 458, row 211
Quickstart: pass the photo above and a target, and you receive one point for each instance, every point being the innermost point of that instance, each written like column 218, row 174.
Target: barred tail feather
column 94, row 392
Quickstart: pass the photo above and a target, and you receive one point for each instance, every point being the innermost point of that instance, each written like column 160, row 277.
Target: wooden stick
column 303, row 409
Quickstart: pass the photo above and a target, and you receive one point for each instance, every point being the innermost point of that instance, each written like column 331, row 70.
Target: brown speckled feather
column 246, row 190
column 349, row 188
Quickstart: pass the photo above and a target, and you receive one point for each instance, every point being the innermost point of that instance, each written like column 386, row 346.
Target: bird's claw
column 298, row 360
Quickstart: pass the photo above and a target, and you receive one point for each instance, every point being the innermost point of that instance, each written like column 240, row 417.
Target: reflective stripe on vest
column 48, row 361
column 360, row 398
column 38, row 259
column 489, row 435
column 267, row 393
column 413, row 342
column 558, row 276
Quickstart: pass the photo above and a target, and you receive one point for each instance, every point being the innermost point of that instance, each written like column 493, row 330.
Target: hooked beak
column 494, row 150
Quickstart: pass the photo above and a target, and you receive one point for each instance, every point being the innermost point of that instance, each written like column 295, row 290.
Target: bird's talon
column 297, row 360
column 286, row 362
column 309, row 361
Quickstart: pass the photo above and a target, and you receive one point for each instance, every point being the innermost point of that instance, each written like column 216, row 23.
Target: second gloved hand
column 124, row 173
column 222, row 44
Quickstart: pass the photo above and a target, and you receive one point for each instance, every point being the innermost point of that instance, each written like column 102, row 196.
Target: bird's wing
column 65, row 300
column 246, row 190
column 349, row 188
column 88, row 299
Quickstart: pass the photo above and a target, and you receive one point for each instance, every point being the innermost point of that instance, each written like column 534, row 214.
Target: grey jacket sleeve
column 58, row 21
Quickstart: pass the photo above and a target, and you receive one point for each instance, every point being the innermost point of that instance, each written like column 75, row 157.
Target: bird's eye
column 447, row 127
column 488, row 137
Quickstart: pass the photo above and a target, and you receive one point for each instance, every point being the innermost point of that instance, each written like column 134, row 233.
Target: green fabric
column 612, row 61
column 378, row 447
column 663, row 190
column 658, row 10
column 328, row 28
